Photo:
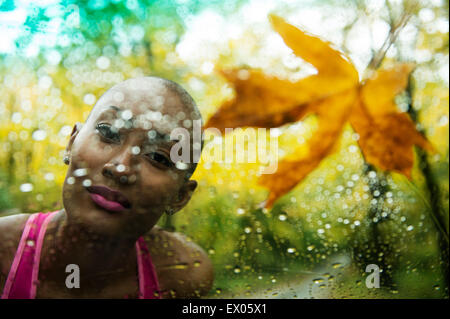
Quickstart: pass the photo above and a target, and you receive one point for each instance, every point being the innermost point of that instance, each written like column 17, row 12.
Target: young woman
column 104, row 243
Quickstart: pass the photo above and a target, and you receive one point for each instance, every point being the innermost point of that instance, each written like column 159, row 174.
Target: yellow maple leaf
column 335, row 96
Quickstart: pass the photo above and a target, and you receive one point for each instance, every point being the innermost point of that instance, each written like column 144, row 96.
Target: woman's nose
column 121, row 168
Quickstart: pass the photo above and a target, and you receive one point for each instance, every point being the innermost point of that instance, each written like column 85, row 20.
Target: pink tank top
column 22, row 279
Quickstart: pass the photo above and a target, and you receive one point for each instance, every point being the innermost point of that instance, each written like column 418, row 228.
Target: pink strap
column 148, row 281
column 22, row 279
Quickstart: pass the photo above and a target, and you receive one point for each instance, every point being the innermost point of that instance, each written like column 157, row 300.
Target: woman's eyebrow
column 115, row 108
column 159, row 136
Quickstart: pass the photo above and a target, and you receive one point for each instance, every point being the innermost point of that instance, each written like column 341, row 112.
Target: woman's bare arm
column 184, row 270
column 11, row 228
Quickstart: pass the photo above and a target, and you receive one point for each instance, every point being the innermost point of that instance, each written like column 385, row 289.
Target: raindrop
column 181, row 116
column 39, row 135
column 65, row 130
column 318, row 280
column 282, row 217
column 182, row 166
column 80, row 172
column 87, row 183
column 103, row 62
column 291, row 250
column 71, row 180
column 118, row 97
column 27, row 187
column 240, row 211
column 119, row 123
column 135, row 150
column 237, row 270
column 443, row 120
column 126, row 115
column 16, row 117
column 89, row 99
column 187, row 123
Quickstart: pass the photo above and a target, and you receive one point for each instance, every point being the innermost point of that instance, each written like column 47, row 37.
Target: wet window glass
column 282, row 149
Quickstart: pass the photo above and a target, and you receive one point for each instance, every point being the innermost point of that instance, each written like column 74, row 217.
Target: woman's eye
column 160, row 158
column 106, row 132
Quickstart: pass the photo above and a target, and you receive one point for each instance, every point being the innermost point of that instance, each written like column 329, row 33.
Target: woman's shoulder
column 11, row 228
column 184, row 269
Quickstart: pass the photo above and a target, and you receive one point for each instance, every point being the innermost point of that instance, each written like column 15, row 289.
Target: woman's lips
column 106, row 204
column 108, row 199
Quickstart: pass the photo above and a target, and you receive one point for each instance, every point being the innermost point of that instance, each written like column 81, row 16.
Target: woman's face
column 121, row 178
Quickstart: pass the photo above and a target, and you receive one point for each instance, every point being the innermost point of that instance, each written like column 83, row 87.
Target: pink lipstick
column 106, row 204
column 108, row 199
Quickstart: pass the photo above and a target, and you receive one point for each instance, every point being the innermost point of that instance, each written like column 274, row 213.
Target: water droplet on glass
column 336, row 265
column 118, row 97
column 103, row 63
column 318, row 280
column 39, row 135
column 26, row 187
column 135, row 150
column 187, row 123
column 119, row 123
column 80, row 172
column 126, row 115
column 443, row 120
column 87, row 183
column 89, row 99
column 181, row 166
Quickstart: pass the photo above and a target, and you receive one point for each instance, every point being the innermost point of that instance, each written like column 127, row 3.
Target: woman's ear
column 184, row 195
column 75, row 130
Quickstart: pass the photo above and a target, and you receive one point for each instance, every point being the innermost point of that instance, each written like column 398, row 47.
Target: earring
column 66, row 159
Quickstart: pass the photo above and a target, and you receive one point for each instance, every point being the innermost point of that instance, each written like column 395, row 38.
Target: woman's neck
column 97, row 255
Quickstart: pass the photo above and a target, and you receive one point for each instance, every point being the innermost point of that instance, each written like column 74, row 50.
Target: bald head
column 154, row 103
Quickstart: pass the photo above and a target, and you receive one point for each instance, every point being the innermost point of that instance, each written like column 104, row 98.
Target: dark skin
column 113, row 149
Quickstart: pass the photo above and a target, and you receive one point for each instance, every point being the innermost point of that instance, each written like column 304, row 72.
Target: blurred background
column 58, row 57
